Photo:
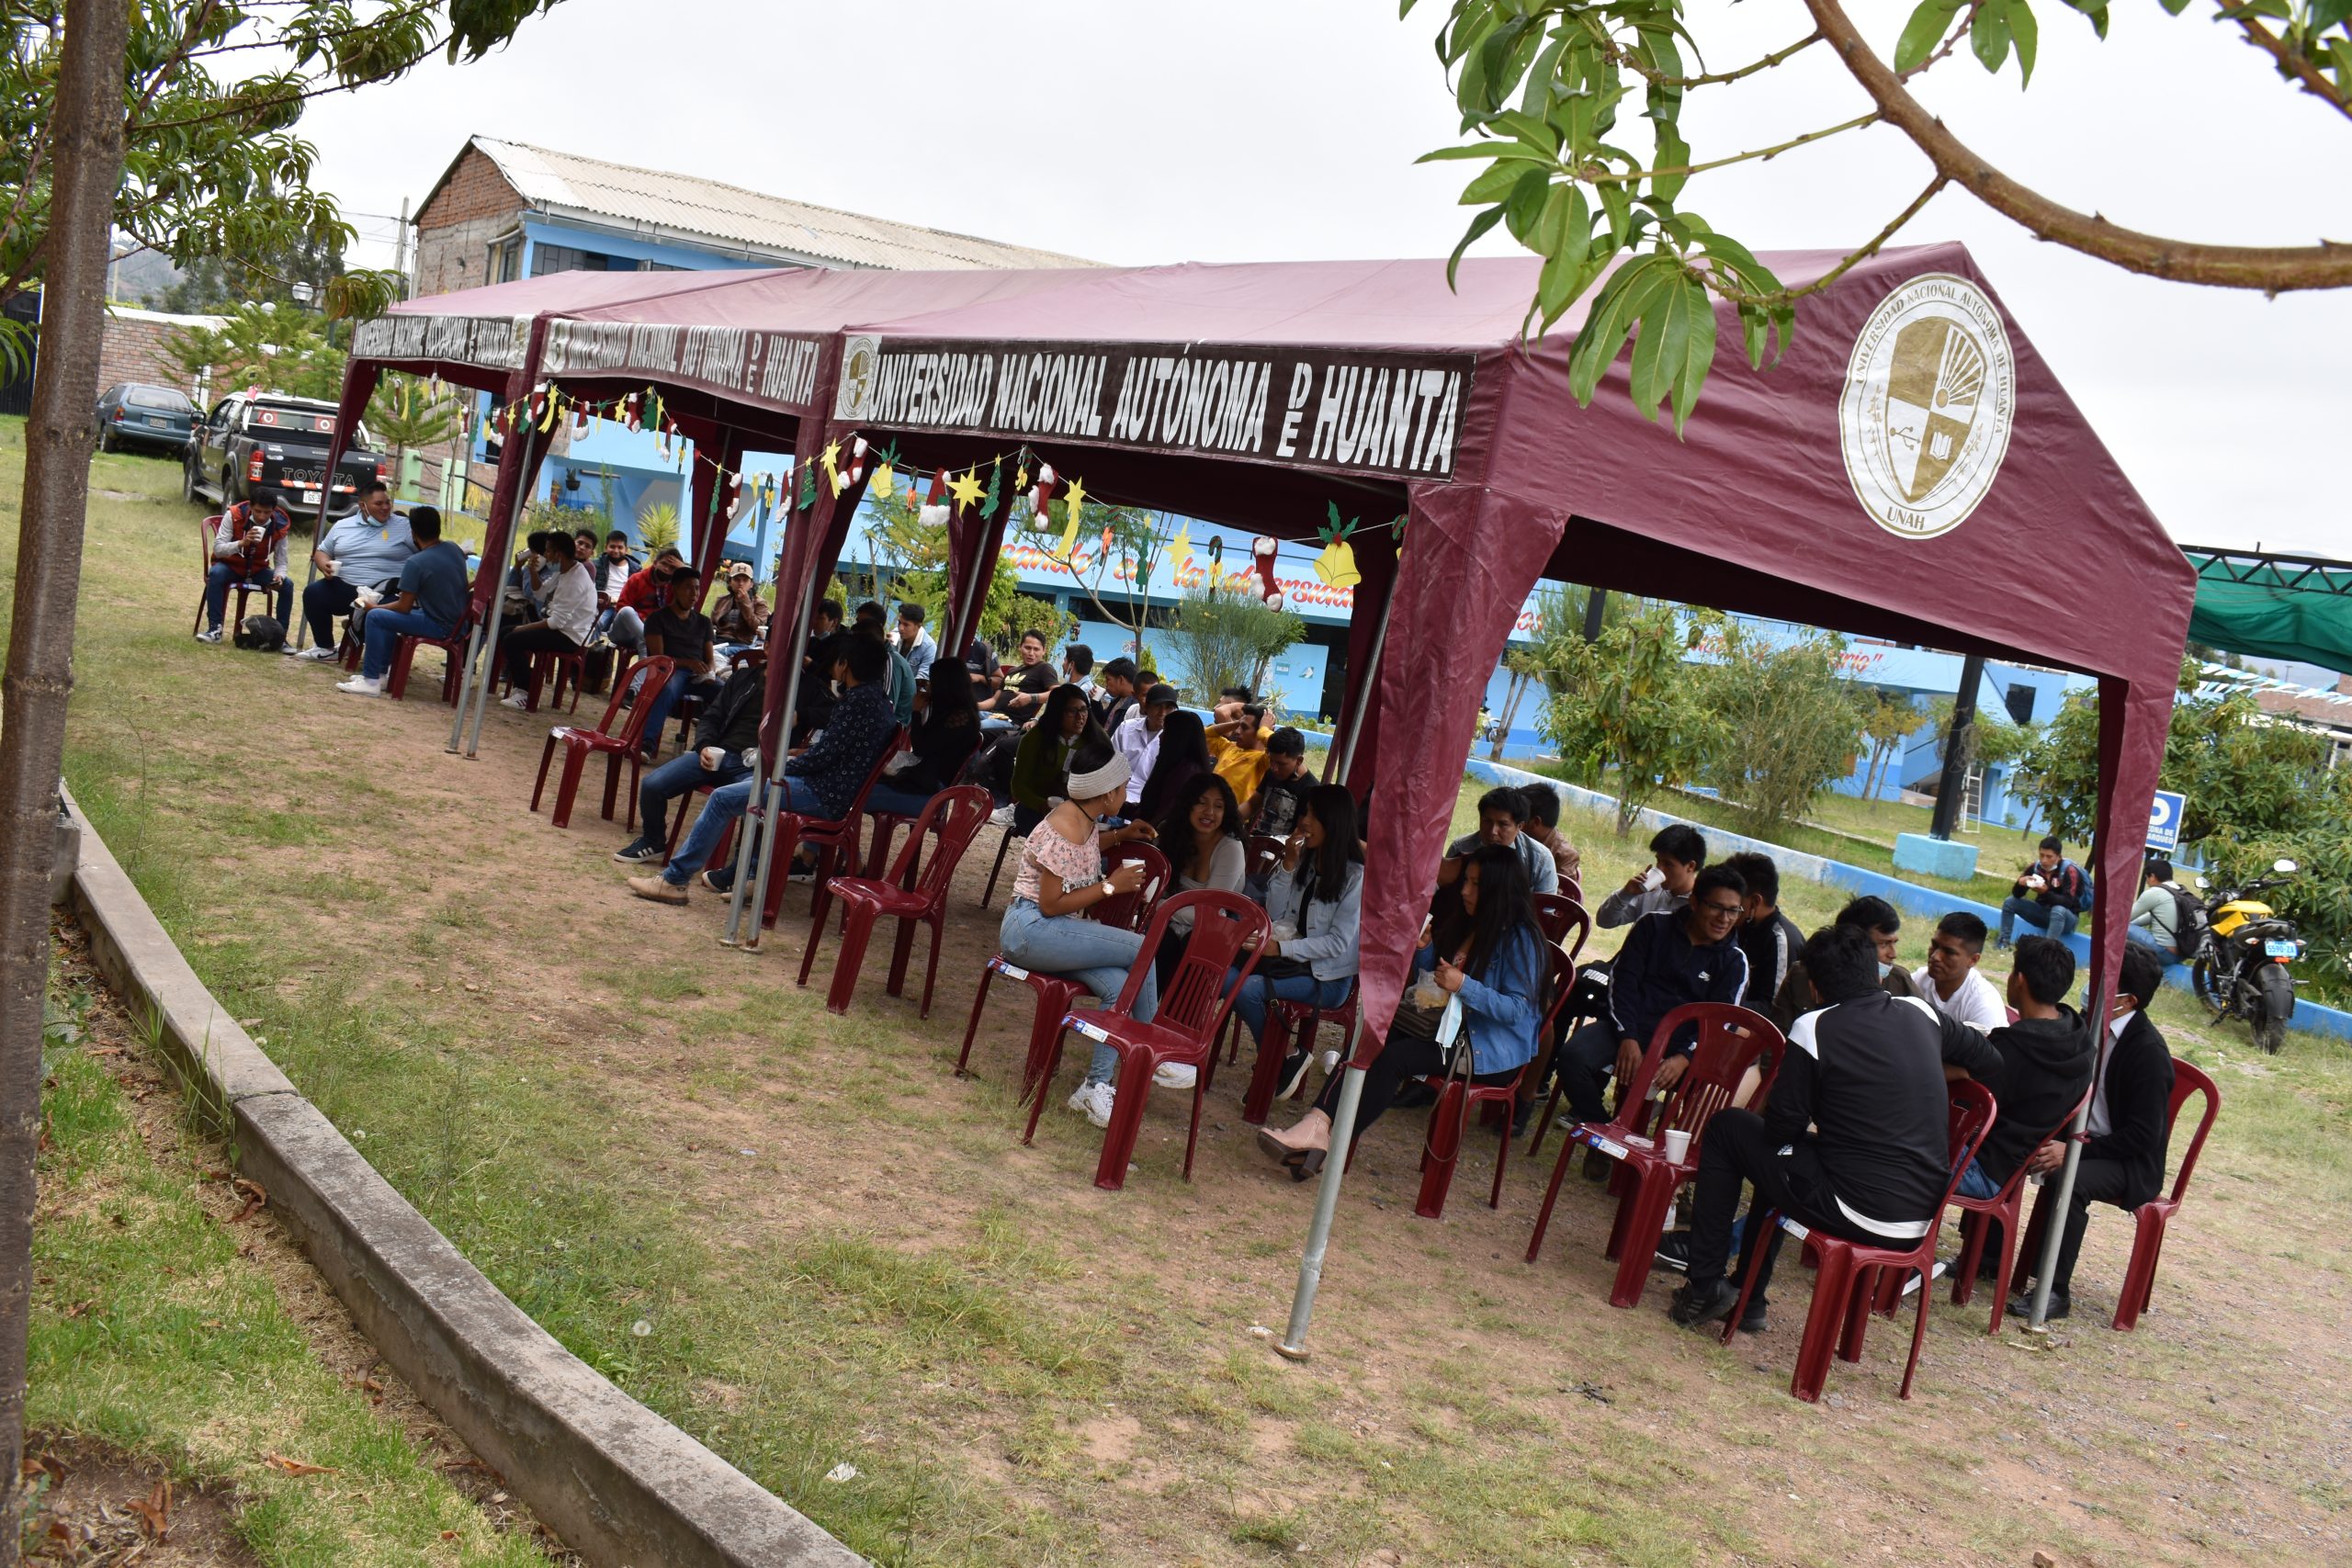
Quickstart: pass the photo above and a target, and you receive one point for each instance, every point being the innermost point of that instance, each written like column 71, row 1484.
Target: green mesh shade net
column 2291, row 607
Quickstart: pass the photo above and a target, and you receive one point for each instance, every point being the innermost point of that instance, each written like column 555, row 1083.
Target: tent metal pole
column 2053, row 1235
column 768, row 793
column 1293, row 1343
column 457, row 719
column 479, row 681
column 1346, row 758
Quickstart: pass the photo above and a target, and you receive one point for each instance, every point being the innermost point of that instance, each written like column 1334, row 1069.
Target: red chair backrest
column 1731, row 1041
column 658, row 674
column 1570, row 890
column 1560, row 918
column 2188, row 1080
column 1564, row 980
column 1133, row 911
column 956, row 816
column 1196, row 996
column 1265, row 853
column 205, row 532
column 1973, row 1109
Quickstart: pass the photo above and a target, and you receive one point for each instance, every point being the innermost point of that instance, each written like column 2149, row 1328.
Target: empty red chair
column 2000, row 1210
column 1056, row 996
column 1459, row 1098
column 1731, row 1041
column 1843, row 1288
column 2153, row 1218
column 912, row 896
column 563, row 668
column 580, row 744
column 1563, row 920
column 836, row 839
column 1228, row 932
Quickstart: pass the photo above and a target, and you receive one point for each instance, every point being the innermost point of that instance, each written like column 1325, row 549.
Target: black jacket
column 2045, row 1067
column 1772, row 946
column 1660, row 968
column 2138, row 1110
column 731, row 722
column 2067, row 886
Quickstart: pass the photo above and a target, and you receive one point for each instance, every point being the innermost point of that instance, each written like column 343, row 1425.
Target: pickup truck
column 254, row 439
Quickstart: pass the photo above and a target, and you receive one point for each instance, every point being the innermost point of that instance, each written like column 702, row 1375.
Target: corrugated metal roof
column 652, row 204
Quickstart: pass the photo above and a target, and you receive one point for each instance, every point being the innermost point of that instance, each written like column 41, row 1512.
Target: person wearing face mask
column 1680, row 850
column 1877, row 919
column 644, row 592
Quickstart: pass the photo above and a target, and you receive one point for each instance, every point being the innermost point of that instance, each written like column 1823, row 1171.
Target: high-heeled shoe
column 1276, row 1150
column 1309, row 1164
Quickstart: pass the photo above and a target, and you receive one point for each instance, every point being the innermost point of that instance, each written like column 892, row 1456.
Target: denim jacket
column 1504, row 1009
column 1326, row 928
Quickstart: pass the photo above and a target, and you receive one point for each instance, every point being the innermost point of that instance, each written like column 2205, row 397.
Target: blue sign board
column 2163, row 820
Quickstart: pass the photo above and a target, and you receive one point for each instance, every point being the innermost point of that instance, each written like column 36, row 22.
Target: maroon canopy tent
column 1906, row 447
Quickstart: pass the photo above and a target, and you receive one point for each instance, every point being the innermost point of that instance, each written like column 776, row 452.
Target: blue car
column 135, row 417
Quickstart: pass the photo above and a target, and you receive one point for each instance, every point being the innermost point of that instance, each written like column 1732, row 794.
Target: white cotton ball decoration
column 934, row 516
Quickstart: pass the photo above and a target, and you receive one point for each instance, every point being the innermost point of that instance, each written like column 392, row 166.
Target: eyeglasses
column 1720, row 911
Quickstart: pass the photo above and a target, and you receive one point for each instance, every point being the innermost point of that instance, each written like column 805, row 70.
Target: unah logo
column 1930, row 394
column 860, row 356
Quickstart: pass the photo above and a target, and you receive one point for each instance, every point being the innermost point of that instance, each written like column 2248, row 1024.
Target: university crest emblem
column 1930, row 398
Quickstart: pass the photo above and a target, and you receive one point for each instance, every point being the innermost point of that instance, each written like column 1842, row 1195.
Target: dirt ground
column 867, row 1267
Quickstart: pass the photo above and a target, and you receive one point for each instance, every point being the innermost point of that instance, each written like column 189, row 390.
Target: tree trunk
column 87, row 143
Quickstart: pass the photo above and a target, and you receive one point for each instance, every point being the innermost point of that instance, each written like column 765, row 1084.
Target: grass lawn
column 838, row 1253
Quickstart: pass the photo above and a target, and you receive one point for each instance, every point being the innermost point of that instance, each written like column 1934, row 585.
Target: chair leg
column 1858, row 1300
column 1128, row 1097
column 2004, row 1264
column 979, row 1000
column 1502, row 1156
column 858, row 918
column 1002, row 846
column 1918, row 1337
column 903, row 949
column 1757, row 1214
column 2140, row 1274
column 1266, row 1075
column 575, row 758
column 1551, row 1108
column 1972, row 1257
column 931, row 970
column 1551, row 1196
column 1646, row 1208
column 1044, row 1082
column 1441, row 1149
column 546, row 755
column 1193, row 1134
column 1831, row 1289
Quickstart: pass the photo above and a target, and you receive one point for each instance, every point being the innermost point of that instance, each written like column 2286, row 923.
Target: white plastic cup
column 1677, row 1145
column 1653, row 879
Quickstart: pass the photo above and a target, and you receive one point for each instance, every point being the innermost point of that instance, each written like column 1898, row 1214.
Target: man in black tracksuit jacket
column 1866, row 1072
column 1671, row 957
column 2131, row 1121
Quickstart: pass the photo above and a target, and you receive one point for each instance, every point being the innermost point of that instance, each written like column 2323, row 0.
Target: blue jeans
column 681, row 775
column 2051, row 920
column 2147, row 938
column 384, row 630
column 222, row 577
column 891, row 802
column 1258, row 991
column 1072, row 947
column 722, row 808
column 1975, row 1183
column 664, row 701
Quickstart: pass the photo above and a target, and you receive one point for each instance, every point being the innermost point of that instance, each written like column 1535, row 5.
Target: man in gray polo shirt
column 365, row 549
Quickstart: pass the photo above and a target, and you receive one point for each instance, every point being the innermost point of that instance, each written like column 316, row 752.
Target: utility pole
column 1596, row 606
column 1959, row 741
column 400, row 250
column 87, row 143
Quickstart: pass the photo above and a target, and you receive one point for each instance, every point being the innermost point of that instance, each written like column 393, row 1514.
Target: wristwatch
column 1109, row 891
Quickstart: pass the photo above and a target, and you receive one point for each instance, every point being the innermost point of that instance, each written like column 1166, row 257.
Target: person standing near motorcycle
column 2156, row 914
column 2048, row 894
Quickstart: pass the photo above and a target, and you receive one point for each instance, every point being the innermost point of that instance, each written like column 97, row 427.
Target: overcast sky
column 1224, row 131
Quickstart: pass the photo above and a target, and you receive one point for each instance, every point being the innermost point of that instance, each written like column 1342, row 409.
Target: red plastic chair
column 1227, row 930
column 2000, row 1210
column 404, row 650
column 1731, row 1041
column 1843, row 1288
column 553, row 669
column 1264, row 852
column 205, row 532
column 1459, row 1098
column 1283, row 1019
column 836, row 839
column 1056, row 996
column 955, row 815
column 578, row 745
column 1562, row 917
column 2152, row 1219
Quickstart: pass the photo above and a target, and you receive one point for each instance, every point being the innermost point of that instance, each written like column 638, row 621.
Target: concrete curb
column 623, row 1487
column 1908, row 896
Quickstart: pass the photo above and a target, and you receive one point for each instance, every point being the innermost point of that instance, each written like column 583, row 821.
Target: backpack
column 262, row 634
column 2187, row 920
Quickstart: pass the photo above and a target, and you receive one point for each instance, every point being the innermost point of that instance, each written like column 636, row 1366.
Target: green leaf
column 1496, row 183
column 1474, row 149
column 1922, row 32
column 1478, row 225
column 1673, row 152
column 2095, row 10
column 1988, row 35
column 2027, row 33
column 1524, row 205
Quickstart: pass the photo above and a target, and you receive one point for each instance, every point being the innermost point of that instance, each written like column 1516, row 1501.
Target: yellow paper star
column 1021, row 478
column 1069, row 523
column 1180, row 548
column 830, row 460
column 965, row 489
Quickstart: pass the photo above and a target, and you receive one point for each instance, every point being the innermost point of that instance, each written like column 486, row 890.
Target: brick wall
column 473, row 206
column 133, row 349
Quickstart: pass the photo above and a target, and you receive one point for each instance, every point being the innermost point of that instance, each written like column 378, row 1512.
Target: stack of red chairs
column 954, row 816
column 578, row 745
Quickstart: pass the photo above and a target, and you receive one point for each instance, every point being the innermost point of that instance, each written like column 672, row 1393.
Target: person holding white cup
column 1317, row 892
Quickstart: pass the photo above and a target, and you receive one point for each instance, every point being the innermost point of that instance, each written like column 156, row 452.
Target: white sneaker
column 314, row 653
column 1098, row 1104
column 1081, row 1097
column 360, row 685
column 1001, row 818
column 1176, row 1075
column 212, row 636
column 515, row 700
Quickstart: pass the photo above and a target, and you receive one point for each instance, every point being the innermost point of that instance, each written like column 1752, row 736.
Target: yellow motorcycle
column 2239, row 965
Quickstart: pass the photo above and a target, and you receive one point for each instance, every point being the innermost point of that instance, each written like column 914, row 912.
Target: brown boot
column 1310, row 1132
column 660, row 889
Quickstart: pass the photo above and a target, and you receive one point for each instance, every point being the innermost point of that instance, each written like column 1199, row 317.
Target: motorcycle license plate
column 2278, row 949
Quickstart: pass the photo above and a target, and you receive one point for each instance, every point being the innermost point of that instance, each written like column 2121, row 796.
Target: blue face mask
column 1884, row 970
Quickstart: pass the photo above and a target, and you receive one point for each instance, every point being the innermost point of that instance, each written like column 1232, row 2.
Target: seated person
column 1681, row 850
column 1077, row 670
column 1181, row 751
column 1543, row 825
column 430, row 602
column 1138, row 738
column 1238, row 749
column 1501, row 812
column 1201, row 836
column 248, row 550
column 643, row 592
column 1769, row 938
column 1118, row 697
column 1023, row 692
column 1490, row 954
column 816, row 662
column 1671, row 957
column 610, row 570
column 1273, row 811
column 1854, row 1141
column 1046, row 927
column 727, row 732
column 2131, row 1121
column 899, row 679
column 2046, row 1059
column 945, row 733
column 738, row 619
column 917, row 644
column 2050, row 895
column 529, row 580
column 2157, row 916
column 570, row 619
column 365, row 549
column 1875, row 917
column 1041, row 765
column 681, row 632
column 1950, row 982
column 821, row 783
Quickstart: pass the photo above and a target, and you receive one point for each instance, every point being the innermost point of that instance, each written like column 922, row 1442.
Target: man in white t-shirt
column 1948, row 979
column 1138, row 737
